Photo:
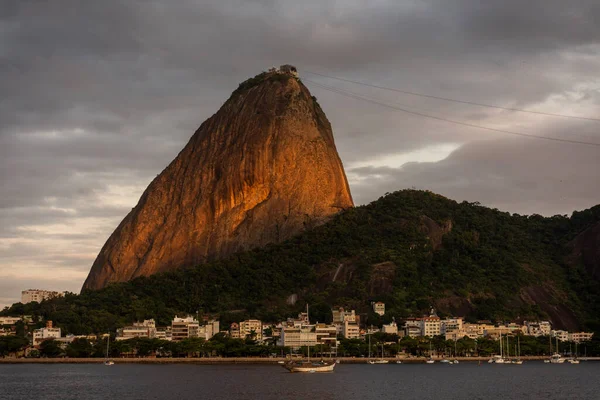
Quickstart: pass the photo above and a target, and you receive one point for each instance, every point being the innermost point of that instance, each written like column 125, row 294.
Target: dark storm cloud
column 98, row 97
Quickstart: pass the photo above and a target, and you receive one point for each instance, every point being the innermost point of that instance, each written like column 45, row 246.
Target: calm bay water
column 533, row 380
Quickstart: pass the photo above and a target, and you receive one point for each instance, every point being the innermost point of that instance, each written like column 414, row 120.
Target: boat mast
column 308, row 324
column 368, row 334
column 500, row 344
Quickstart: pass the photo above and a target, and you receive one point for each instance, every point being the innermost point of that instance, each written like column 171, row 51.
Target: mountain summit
column 260, row 170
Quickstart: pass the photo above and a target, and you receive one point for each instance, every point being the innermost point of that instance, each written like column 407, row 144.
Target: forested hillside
column 411, row 249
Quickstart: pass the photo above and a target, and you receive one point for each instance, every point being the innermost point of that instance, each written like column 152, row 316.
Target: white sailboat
column 430, row 360
column 498, row 359
column 574, row 360
column 108, row 361
column 518, row 361
column 556, row 357
column 381, row 360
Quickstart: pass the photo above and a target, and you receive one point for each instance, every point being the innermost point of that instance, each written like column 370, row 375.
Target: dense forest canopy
column 411, row 249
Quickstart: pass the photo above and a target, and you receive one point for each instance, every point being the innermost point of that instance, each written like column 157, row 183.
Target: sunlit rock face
column 260, row 170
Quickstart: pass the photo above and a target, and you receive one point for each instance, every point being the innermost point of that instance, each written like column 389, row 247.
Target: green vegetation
column 258, row 79
column 490, row 265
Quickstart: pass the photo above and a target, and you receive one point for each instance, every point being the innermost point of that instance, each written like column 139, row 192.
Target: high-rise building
column 251, row 328
column 183, row 328
column 30, row 295
column 146, row 329
column 49, row 332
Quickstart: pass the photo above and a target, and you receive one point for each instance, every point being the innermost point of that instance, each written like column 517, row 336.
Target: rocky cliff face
column 259, row 171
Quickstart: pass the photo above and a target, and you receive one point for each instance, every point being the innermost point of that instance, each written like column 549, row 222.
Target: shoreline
column 240, row 360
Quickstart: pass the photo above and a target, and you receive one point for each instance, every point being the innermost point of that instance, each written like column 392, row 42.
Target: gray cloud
column 97, row 98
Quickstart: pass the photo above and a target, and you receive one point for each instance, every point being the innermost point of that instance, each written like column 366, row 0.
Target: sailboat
column 455, row 361
column 308, row 366
column 430, row 360
column 556, row 357
column 574, row 360
column 498, row 359
column 381, row 360
column 108, row 361
column 518, row 361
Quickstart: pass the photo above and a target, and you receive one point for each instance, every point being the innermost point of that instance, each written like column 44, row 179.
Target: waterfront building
column 340, row 316
column 251, row 328
column 183, row 328
column 538, row 328
column 430, row 326
column 326, row 334
column 209, row 329
column 579, row 337
column 379, row 308
column 6, row 332
column 234, row 330
column 412, row 327
column 9, row 320
column 145, row 329
column 298, row 336
column 163, row 333
column 30, row 295
column 451, row 324
column 561, row 335
column 49, row 332
column 392, row 328
column 350, row 330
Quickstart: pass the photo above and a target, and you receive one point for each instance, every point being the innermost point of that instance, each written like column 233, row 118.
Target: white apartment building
column 145, row 329
column 340, row 315
column 9, row 320
column 412, row 327
column 430, row 326
column 563, row 336
column 579, row 337
column 350, row 330
column 49, row 332
column 209, row 329
column 183, row 328
column 246, row 328
column 326, row 334
column 163, row 333
column 298, row 336
column 538, row 328
column 451, row 324
column 379, row 307
column 27, row 296
column 234, row 330
column 392, row 328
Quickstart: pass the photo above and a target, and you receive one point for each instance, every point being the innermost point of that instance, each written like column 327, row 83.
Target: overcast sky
column 97, row 97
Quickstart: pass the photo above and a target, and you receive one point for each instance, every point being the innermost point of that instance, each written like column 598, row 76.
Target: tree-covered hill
column 411, row 249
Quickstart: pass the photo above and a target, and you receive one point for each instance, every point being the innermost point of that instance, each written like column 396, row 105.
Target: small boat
column 309, row 366
column 557, row 359
column 445, row 361
column 574, row 360
column 108, row 361
column 430, row 359
column 398, row 362
column 378, row 361
column 497, row 359
column 455, row 362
